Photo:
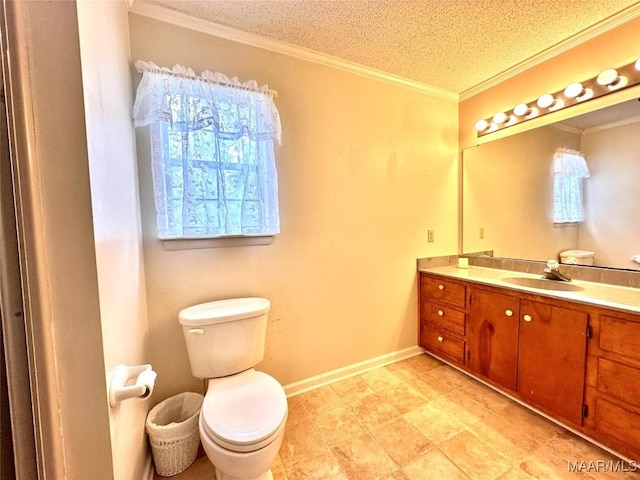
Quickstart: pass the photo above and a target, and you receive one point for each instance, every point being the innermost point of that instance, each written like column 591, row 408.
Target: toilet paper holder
column 135, row 381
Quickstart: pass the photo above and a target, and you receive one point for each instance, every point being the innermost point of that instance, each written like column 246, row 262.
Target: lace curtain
column 569, row 168
column 213, row 160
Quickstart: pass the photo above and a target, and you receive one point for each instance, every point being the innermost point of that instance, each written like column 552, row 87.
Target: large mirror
column 508, row 191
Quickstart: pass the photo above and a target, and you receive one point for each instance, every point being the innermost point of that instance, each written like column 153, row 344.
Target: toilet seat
column 244, row 412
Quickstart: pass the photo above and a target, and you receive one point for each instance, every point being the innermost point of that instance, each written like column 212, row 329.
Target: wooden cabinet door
column 492, row 337
column 551, row 358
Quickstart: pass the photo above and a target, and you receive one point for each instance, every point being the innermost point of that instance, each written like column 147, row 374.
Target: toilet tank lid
column 220, row 311
column 577, row 253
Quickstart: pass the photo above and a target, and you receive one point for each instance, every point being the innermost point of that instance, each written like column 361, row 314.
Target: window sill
column 221, row 242
column 566, row 224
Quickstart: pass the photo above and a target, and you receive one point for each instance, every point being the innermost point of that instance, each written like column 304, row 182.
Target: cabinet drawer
column 617, row 422
column 445, row 291
column 621, row 337
column 620, row 381
column 443, row 317
column 441, row 342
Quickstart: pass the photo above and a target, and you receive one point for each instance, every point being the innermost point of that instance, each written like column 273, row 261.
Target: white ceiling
column 629, row 110
column 454, row 45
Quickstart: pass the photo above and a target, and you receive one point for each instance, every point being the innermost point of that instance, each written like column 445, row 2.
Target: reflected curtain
column 569, row 169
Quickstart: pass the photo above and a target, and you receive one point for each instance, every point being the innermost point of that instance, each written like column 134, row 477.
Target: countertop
column 611, row 296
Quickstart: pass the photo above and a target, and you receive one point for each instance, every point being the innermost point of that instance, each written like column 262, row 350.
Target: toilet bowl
column 244, row 412
column 242, row 424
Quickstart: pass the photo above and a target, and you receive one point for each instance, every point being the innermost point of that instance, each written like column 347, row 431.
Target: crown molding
column 203, row 26
column 567, row 128
column 619, row 123
column 588, row 33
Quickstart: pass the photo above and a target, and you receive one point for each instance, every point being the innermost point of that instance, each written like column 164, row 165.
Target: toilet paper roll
column 147, row 379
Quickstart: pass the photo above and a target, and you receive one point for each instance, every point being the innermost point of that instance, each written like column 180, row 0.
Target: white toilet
column 577, row 257
column 244, row 411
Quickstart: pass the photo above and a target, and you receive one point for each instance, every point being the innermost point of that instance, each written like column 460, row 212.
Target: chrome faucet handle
column 552, row 272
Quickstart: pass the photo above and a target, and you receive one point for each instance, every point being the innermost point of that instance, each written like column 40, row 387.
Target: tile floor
column 419, row 419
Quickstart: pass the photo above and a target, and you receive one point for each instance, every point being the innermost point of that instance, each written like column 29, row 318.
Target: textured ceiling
column 451, row 44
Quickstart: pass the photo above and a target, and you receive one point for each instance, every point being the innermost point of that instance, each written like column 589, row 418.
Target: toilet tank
column 226, row 336
column 577, row 257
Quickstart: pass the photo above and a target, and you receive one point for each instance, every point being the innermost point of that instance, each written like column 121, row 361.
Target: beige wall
column 104, row 42
column 508, row 191
column 611, row 49
column 365, row 169
column 612, row 195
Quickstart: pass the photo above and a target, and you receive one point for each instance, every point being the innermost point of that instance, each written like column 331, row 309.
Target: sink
column 543, row 284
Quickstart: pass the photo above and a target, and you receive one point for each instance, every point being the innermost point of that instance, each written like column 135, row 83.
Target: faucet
column 552, row 272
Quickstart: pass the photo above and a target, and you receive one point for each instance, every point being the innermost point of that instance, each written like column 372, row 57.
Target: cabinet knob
column 440, row 287
column 508, row 313
column 527, row 318
column 440, row 338
column 440, row 313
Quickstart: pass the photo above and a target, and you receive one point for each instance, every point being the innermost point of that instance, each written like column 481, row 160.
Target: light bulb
column 574, row 90
column 637, row 65
column 521, row 110
column 546, row 101
column 481, row 125
column 608, row 78
column 500, row 118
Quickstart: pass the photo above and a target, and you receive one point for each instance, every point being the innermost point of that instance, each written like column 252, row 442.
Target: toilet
column 244, row 411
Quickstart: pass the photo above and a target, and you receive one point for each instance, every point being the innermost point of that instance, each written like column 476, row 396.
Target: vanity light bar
column 609, row 80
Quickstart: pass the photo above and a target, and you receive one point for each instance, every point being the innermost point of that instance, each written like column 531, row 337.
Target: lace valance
column 189, row 102
column 569, row 168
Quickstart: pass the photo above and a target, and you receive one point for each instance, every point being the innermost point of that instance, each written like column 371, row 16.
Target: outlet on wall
column 430, row 235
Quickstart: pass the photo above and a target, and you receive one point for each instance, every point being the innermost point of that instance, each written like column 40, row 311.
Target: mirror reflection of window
column 508, row 190
column 569, row 170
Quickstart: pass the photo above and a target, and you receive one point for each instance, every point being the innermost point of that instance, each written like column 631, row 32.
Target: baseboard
column 307, row 384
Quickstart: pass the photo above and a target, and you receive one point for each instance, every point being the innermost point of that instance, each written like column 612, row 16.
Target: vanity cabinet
column 533, row 348
column 552, row 350
column 443, row 317
column 492, row 337
column 576, row 362
column 613, row 381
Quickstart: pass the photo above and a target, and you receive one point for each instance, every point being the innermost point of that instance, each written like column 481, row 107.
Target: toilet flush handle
column 196, row 331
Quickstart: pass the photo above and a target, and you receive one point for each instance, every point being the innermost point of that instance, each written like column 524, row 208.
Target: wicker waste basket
column 172, row 426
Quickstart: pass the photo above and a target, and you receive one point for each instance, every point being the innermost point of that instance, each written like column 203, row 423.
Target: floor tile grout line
column 452, row 461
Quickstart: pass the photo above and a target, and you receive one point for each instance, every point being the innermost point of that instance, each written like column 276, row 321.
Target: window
column 569, row 168
column 213, row 161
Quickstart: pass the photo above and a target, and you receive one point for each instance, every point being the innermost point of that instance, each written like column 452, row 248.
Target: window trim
column 174, row 244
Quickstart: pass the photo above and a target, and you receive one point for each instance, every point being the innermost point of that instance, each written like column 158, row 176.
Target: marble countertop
column 620, row 298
